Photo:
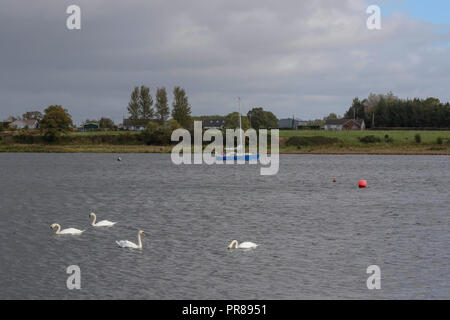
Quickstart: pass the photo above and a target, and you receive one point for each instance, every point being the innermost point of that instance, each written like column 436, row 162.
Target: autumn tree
column 56, row 120
column 106, row 124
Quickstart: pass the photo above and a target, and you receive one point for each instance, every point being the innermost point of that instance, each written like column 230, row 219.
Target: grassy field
column 96, row 133
column 351, row 137
column 400, row 142
column 347, row 137
column 84, row 148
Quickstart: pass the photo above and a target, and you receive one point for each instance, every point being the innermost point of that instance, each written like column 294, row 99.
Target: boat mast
column 240, row 126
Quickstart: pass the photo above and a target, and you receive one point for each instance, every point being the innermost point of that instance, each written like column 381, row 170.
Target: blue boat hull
column 246, row 157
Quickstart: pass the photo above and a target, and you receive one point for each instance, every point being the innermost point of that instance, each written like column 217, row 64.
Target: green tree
column 428, row 112
column 148, row 135
column 32, row 115
column 181, row 110
column 356, row 110
column 133, row 105
column 256, row 116
column 260, row 119
column 232, row 121
column 172, row 124
column 208, row 117
column 316, row 123
column 55, row 121
column 270, row 119
column 106, row 124
column 161, row 105
column 331, row 116
column 145, row 103
column 156, row 134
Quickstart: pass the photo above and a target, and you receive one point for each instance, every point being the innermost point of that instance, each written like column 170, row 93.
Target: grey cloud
column 307, row 58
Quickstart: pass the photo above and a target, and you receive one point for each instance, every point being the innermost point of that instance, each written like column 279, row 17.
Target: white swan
column 129, row 244
column 71, row 231
column 243, row 245
column 103, row 223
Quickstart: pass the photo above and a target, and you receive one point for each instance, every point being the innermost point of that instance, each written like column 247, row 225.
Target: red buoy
column 362, row 183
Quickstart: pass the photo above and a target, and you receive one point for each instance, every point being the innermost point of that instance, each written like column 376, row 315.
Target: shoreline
column 373, row 153
column 322, row 150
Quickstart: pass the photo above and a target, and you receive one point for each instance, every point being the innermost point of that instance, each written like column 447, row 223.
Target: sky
column 301, row 58
column 434, row 11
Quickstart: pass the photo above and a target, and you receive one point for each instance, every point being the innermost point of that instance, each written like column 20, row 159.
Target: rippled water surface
column 316, row 237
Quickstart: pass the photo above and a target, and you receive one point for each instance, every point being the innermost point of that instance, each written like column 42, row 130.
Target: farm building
column 91, row 126
column 345, row 124
column 292, row 123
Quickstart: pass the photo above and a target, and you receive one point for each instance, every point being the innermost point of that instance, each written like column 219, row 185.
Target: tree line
column 141, row 108
column 387, row 110
column 257, row 118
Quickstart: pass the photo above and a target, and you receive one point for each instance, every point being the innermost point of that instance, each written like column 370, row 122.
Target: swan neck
column 58, row 230
column 139, row 241
column 235, row 243
column 95, row 219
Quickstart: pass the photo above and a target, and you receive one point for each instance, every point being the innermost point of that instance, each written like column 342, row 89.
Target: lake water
column 316, row 237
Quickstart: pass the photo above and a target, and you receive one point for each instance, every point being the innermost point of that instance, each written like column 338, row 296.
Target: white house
column 22, row 124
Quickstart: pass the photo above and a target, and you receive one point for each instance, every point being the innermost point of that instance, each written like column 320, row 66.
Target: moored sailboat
column 239, row 154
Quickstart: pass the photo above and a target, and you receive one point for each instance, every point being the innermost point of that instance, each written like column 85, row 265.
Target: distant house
column 344, row 124
column 213, row 123
column 291, row 123
column 91, row 126
column 135, row 125
column 8, row 121
column 22, row 124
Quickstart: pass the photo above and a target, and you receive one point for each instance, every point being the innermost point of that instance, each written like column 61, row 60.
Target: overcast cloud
column 303, row 58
